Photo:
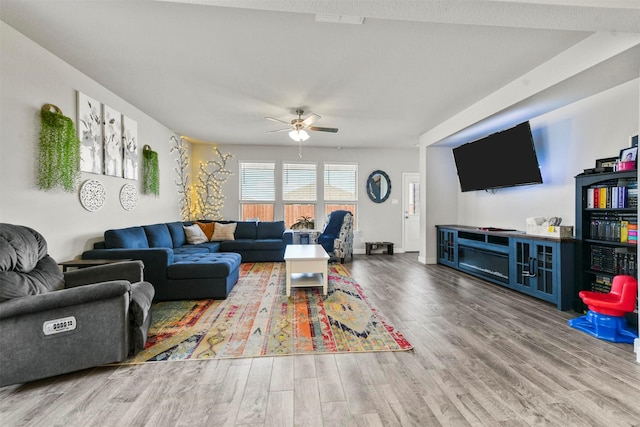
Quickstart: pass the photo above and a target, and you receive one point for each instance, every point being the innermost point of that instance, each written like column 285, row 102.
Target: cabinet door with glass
column 448, row 247
column 534, row 268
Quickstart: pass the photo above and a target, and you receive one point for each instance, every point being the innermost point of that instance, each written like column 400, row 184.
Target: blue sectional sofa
column 179, row 270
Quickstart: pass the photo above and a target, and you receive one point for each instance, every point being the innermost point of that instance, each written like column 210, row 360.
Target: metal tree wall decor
column 209, row 197
column 59, row 156
column 182, row 182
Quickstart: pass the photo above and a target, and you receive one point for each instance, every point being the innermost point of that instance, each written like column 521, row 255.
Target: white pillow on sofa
column 223, row 231
column 194, row 234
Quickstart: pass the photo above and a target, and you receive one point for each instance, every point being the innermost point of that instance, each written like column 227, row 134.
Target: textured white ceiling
column 212, row 70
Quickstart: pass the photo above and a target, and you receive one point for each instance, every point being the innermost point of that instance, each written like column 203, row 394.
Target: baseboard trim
column 424, row 260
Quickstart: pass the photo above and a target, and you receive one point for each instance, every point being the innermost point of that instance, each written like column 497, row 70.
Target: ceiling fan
column 298, row 127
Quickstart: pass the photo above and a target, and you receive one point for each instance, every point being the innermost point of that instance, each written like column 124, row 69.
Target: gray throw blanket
column 25, row 267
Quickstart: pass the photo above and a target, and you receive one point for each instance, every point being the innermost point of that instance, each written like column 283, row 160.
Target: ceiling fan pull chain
column 300, row 149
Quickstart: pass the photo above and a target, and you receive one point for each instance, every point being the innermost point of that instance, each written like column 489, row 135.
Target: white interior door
column 411, row 211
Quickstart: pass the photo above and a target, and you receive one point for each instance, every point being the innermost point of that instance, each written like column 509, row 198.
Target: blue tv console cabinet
column 539, row 266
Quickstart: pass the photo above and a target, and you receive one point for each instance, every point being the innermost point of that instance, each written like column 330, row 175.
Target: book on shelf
column 601, row 284
column 613, row 226
column 632, row 236
column 616, row 194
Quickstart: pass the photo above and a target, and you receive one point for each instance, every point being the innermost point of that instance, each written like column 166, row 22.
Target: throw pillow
column 207, row 228
column 223, row 231
column 194, row 234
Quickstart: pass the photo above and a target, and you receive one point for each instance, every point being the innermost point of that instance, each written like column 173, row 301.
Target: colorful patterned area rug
column 257, row 319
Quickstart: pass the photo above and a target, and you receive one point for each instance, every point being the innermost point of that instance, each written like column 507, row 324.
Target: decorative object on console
column 90, row 134
column 129, row 197
column 59, row 151
column 130, row 148
column 150, row 172
column 92, row 195
column 548, row 226
column 182, row 181
column 378, row 186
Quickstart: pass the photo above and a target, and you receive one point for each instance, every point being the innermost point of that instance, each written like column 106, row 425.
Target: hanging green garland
column 59, row 159
column 150, row 172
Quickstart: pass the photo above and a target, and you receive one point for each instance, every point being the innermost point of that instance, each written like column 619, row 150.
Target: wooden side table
column 82, row 263
column 369, row 246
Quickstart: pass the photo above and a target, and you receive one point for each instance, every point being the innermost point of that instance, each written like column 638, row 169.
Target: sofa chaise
column 179, row 269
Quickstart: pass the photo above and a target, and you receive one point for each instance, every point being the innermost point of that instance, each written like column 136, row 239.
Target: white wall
column 30, row 77
column 376, row 222
column 568, row 140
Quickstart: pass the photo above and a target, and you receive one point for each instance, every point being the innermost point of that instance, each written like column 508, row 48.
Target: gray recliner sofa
column 52, row 323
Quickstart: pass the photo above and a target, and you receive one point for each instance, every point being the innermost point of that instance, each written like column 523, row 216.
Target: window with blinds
column 299, row 191
column 299, row 182
column 341, row 182
column 257, row 191
column 341, row 188
column 257, row 181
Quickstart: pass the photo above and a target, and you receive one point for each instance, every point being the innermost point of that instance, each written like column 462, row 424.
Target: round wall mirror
column 378, row 186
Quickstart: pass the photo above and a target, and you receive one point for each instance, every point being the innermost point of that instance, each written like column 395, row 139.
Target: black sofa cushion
column 158, row 236
column 177, row 233
column 245, row 230
column 236, row 245
column 270, row 230
column 126, row 238
column 268, row 245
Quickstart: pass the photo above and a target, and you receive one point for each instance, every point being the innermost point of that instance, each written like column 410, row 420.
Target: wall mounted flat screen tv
column 503, row 159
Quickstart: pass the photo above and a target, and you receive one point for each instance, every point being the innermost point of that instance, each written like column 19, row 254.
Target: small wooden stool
column 376, row 245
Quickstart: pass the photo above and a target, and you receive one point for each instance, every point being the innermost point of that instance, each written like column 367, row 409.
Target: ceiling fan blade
column 279, row 130
column 321, row 129
column 277, row 120
column 309, row 120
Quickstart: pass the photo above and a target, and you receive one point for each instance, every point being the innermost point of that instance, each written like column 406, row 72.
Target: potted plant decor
column 150, row 171
column 59, row 155
column 304, row 223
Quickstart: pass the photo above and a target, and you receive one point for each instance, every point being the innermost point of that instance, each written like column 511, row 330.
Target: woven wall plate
column 129, row 197
column 92, row 195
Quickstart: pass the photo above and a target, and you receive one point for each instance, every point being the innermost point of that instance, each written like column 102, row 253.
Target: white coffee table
column 306, row 265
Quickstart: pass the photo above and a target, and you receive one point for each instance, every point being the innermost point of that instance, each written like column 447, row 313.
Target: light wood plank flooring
column 483, row 356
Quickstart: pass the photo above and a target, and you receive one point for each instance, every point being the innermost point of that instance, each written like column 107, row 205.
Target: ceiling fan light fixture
column 299, row 135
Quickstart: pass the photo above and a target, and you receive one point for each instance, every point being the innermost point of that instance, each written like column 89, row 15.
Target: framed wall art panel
column 112, row 120
column 89, row 128
column 130, row 149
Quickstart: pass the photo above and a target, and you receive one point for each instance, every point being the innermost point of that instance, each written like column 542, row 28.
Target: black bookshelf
column 606, row 231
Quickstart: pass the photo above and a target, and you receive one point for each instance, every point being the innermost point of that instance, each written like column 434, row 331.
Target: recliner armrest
column 131, row 271
column 63, row 298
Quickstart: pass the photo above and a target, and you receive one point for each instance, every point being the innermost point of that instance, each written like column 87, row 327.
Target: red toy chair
column 605, row 317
